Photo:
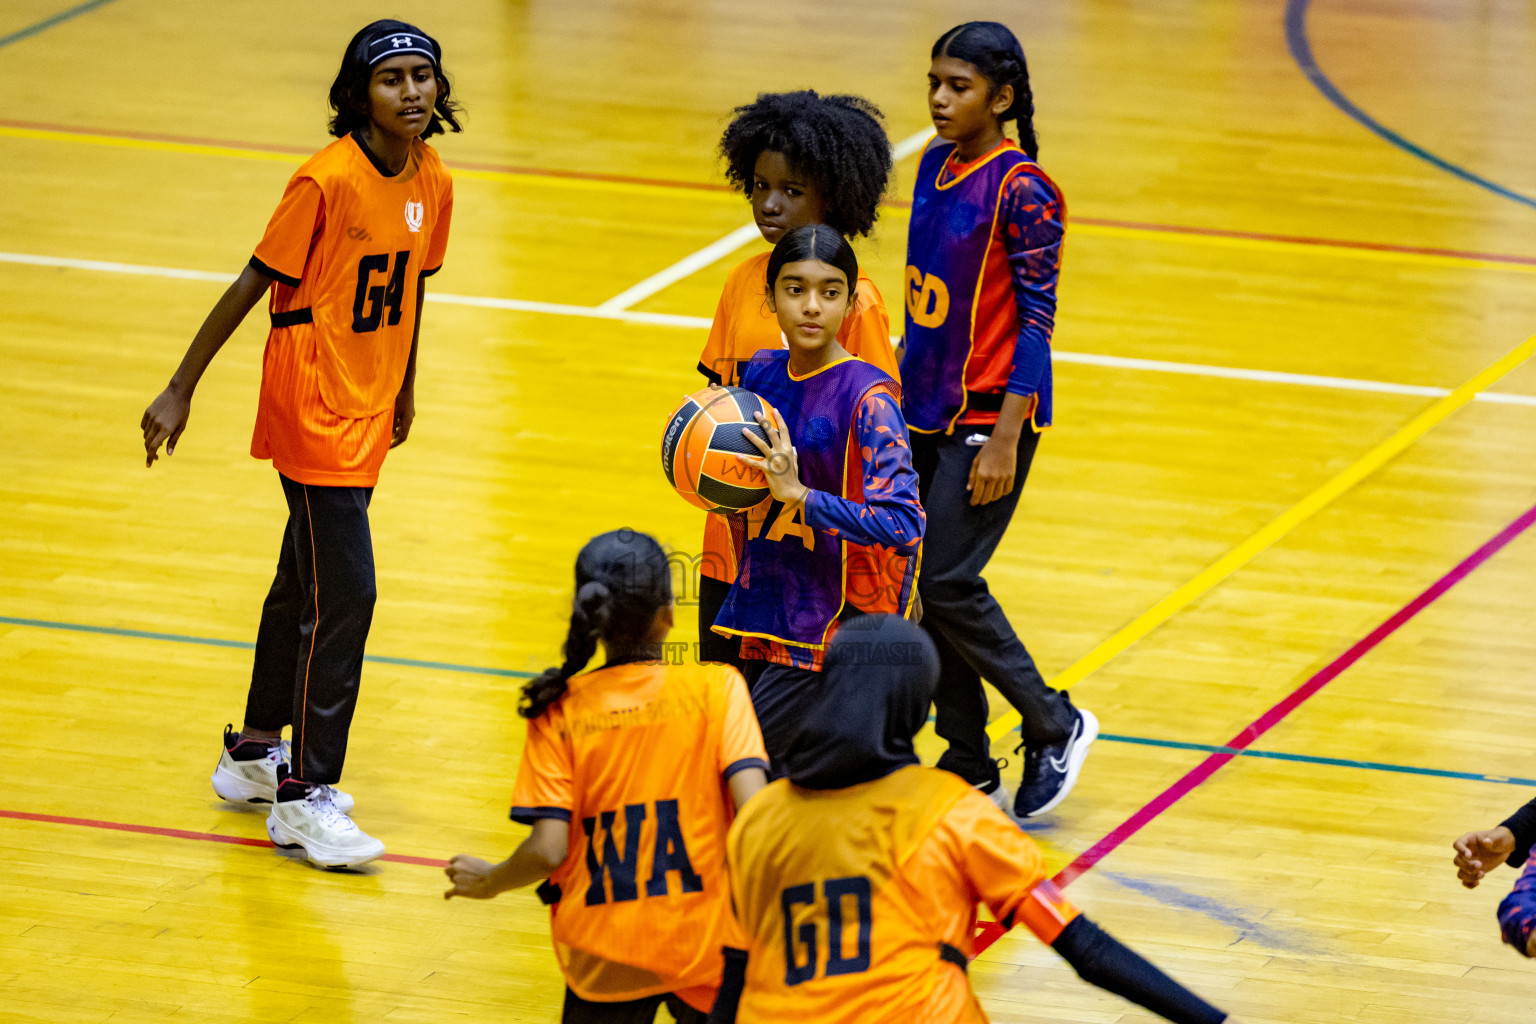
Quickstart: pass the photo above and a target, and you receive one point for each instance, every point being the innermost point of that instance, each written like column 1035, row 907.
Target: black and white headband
column 394, row 44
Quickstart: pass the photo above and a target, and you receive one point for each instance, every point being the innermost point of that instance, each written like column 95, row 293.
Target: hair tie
column 594, row 601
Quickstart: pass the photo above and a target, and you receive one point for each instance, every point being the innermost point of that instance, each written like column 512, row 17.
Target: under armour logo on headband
column 394, row 44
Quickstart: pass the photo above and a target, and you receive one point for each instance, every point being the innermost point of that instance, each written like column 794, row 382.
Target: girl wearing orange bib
column 630, row 778
column 801, row 158
column 857, row 878
column 361, row 226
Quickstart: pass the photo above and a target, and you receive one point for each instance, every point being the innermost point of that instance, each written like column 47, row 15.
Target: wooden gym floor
column 1227, row 215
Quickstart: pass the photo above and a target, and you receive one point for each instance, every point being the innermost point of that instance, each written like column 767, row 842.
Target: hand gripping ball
column 701, row 445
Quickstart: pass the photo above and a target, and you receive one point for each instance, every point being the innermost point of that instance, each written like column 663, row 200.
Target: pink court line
column 627, row 179
column 179, row 833
column 989, row 932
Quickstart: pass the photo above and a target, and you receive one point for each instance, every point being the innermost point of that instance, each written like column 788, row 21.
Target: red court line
column 1262, row 236
column 1274, row 716
column 704, row 186
column 265, row 147
column 990, row 932
column 180, row 833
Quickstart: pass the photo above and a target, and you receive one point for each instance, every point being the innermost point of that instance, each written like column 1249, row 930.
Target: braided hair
column 622, row 579
column 836, row 141
column 996, row 54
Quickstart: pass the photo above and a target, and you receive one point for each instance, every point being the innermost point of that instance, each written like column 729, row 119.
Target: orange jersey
column 860, row 904
column 635, row 757
column 346, row 248
column 744, row 326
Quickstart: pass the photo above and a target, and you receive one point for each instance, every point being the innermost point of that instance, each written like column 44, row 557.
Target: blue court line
column 1333, row 762
column 482, row 670
column 208, row 641
column 1301, row 51
column 48, row 23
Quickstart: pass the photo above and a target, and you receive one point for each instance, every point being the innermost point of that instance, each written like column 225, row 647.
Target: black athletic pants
column 782, row 696
column 636, row 1011
column 309, row 649
column 713, row 646
column 973, row 635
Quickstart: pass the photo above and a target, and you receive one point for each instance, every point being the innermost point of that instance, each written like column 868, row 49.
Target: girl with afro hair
column 801, row 158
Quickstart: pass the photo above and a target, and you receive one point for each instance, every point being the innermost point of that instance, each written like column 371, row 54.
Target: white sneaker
column 254, row 781
column 999, row 796
column 318, row 827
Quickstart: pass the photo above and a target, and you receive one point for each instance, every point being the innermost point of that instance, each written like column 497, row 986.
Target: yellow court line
column 1283, row 524
column 244, row 153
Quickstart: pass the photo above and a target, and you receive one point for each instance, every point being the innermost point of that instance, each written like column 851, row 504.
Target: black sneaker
column 1050, row 771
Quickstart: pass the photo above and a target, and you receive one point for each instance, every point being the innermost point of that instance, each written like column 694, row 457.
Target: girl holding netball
column 360, row 227
column 801, row 158
column 856, row 879
column 841, row 533
column 983, row 252
column 629, row 778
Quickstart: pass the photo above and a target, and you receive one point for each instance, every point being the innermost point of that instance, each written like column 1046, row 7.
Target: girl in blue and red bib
column 801, row 158
column 983, row 252
column 841, row 532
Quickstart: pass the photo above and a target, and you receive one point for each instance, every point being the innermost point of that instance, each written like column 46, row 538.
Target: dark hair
column 349, row 93
column 622, row 580
column 814, row 242
column 836, row 141
column 996, row 53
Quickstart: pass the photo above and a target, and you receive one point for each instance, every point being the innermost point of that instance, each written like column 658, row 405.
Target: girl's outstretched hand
column 164, row 421
column 1478, row 853
column 471, row 877
column 779, row 463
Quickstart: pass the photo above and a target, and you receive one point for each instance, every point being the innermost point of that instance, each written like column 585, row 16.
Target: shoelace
column 322, row 799
column 1032, row 759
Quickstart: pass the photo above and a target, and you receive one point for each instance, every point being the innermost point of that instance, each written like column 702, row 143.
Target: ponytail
column 622, row 580
column 995, row 52
column 593, row 606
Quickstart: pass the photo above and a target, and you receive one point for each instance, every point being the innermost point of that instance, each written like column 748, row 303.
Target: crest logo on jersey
column 413, row 216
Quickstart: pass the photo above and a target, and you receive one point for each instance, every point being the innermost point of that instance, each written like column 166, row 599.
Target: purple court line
column 1275, row 715
column 180, row 833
